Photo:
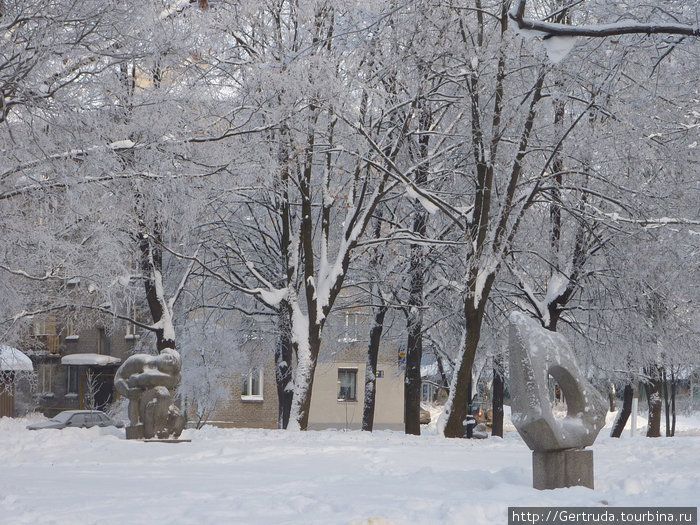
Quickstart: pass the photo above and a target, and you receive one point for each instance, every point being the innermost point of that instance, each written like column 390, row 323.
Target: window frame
column 247, row 388
column 47, row 371
column 353, row 374
column 131, row 330
column 44, row 325
column 73, row 370
column 71, row 333
column 350, row 330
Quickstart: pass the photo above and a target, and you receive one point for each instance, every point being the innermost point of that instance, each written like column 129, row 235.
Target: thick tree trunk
column 470, row 396
column 670, row 404
column 667, row 404
column 375, row 336
column 653, row 388
column 283, row 367
column 152, row 269
column 308, row 349
column 673, row 403
column 497, row 398
column 412, row 383
column 285, row 347
column 624, row 413
column 414, row 346
column 304, row 380
column 458, row 405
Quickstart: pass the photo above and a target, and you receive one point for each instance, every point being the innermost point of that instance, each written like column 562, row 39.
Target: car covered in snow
column 77, row 419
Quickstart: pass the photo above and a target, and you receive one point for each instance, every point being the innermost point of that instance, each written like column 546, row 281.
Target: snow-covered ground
column 86, row 476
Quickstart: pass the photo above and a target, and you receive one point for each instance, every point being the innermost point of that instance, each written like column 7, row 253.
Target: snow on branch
column 551, row 29
column 271, row 297
column 49, row 275
column 654, row 223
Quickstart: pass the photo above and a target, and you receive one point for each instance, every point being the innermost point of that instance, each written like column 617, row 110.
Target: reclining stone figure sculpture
column 557, row 444
column 148, row 380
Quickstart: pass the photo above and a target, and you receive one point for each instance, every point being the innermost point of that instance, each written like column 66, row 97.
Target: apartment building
column 75, row 368
column 338, row 395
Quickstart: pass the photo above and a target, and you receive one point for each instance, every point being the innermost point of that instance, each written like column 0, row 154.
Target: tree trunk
column 283, row 366
column 285, row 347
column 667, row 403
column 497, row 398
column 152, row 269
column 653, row 387
column 414, row 346
column 445, row 384
column 624, row 413
column 469, row 428
column 673, row 403
column 304, row 377
column 458, row 404
column 375, row 336
column 412, row 383
column 611, row 396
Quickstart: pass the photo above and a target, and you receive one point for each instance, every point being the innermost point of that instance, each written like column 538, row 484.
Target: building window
column 347, row 384
column 72, row 379
column 103, row 346
column 131, row 329
column 350, row 333
column 44, row 325
column 44, row 328
column 71, row 334
column 429, row 393
column 46, row 375
column 252, row 385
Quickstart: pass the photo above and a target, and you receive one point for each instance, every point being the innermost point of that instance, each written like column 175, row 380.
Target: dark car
column 482, row 412
column 77, row 419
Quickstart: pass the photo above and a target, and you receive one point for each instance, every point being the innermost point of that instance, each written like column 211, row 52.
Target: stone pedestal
column 134, row 432
column 562, row 468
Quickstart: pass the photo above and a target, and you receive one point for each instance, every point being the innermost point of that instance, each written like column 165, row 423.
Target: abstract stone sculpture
column 558, row 458
column 147, row 381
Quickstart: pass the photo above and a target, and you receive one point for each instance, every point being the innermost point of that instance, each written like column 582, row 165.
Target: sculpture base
column 562, row 468
column 135, row 432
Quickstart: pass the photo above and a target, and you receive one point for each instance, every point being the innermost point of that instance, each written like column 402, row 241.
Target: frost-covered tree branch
column 654, row 222
column 552, row 29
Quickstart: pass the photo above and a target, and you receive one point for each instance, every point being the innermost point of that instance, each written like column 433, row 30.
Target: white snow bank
column 84, row 476
column 90, row 360
column 13, row 360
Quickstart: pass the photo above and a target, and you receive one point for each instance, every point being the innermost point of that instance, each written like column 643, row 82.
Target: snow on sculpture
column 535, row 354
column 147, row 381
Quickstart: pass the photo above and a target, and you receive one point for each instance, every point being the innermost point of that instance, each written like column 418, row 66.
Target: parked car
column 77, row 419
column 482, row 412
column 424, row 416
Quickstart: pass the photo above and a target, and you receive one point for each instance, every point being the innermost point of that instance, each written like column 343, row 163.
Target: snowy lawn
column 86, row 476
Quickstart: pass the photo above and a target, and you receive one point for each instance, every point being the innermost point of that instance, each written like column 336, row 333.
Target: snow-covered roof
column 90, row 360
column 13, row 360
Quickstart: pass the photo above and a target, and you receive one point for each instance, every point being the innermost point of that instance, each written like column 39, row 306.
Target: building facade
column 338, row 393
column 75, row 368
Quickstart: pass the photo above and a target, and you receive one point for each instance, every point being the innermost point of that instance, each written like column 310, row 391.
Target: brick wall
column 247, row 413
